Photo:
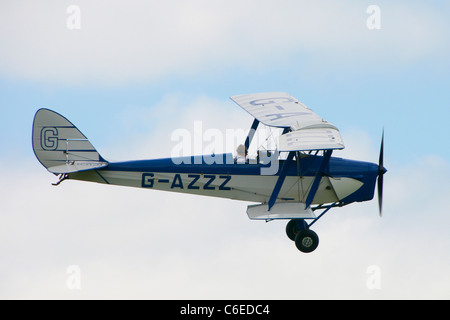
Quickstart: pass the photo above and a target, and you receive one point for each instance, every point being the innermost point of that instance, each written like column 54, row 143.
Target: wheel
column 294, row 226
column 292, row 229
column 306, row 241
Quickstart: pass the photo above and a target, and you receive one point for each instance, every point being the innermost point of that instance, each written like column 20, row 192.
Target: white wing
column 279, row 109
column 311, row 139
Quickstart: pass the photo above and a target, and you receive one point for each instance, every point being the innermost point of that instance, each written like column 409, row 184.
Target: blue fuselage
column 179, row 170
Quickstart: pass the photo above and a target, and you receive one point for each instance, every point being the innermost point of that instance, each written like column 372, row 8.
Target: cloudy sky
column 129, row 73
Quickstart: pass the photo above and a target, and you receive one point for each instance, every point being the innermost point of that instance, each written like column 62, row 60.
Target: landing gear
column 305, row 239
column 294, row 226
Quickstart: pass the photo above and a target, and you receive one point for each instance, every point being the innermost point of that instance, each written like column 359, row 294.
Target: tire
column 306, row 241
column 292, row 229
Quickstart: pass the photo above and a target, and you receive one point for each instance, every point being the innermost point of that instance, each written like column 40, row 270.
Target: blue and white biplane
column 306, row 183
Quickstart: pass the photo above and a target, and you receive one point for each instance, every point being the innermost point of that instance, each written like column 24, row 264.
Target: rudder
column 61, row 147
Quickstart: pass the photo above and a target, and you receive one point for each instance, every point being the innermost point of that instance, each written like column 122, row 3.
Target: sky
column 130, row 73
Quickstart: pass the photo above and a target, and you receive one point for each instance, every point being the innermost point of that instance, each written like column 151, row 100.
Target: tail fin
column 61, row 147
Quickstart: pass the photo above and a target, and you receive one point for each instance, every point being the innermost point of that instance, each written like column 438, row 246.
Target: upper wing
column 278, row 109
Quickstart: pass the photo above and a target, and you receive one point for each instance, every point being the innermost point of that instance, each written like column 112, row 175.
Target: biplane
column 301, row 183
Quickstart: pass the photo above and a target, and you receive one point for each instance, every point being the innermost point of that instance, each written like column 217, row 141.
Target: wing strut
column 280, row 180
column 250, row 136
column 319, row 175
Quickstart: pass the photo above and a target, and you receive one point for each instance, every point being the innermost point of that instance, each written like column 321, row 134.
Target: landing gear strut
column 298, row 230
column 305, row 239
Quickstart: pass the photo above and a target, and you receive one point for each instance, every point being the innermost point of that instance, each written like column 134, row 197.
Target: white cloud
column 359, row 146
column 132, row 41
column 147, row 130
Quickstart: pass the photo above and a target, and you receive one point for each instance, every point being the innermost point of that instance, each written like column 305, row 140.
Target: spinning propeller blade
column 381, row 172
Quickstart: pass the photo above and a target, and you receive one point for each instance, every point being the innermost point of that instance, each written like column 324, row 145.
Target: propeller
column 381, row 172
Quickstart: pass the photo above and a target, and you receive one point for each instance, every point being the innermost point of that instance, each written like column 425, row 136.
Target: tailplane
column 61, row 147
